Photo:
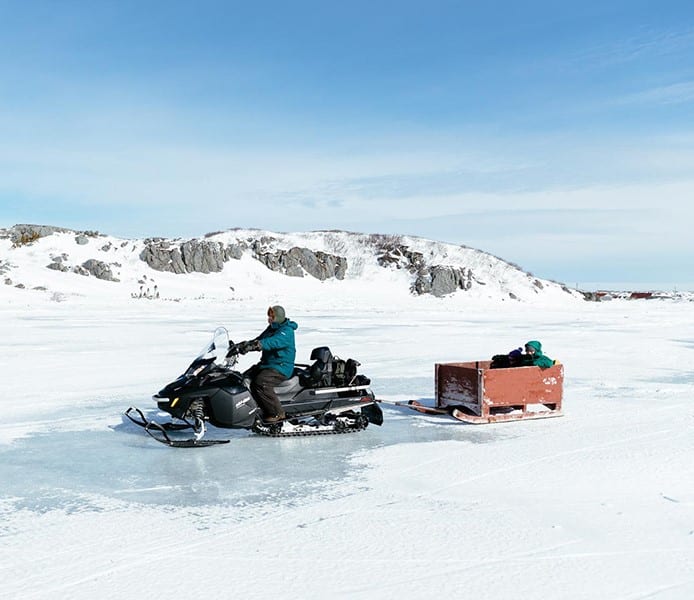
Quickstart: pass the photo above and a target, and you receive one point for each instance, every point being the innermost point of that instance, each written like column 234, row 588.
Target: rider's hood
column 285, row 323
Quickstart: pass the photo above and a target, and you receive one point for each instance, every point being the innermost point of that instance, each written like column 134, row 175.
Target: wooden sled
column 474, row 393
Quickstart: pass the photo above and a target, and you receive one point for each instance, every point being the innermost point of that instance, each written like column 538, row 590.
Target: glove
column 250, row 346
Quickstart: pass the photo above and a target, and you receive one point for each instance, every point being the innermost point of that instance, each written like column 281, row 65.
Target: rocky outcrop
column 438, row 280
column 206, row 256
column 24, row 234
column 93, row 267
column 234, row 251
column 192, row 256
column 203, row 257
column 99, row 269
column 295, row 261
column 160, row 256
column 392, row 253
column 441, row 280
column 57, row 266
column 21, row 235
column 58, row 263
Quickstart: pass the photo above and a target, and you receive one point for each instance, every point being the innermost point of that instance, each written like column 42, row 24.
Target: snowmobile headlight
column 174, row 401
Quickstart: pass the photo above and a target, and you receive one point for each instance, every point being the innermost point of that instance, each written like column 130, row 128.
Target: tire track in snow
column 149, row 553
column 525, row 463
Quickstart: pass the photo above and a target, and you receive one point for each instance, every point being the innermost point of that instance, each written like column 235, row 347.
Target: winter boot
column 275, row 418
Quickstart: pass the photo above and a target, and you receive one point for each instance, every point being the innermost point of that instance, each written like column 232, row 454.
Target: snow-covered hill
column 243, row 264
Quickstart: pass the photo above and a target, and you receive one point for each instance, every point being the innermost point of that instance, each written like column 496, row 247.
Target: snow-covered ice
column 597, row 504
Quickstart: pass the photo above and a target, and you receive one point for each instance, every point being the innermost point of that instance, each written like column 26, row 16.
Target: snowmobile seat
column 289, row 386
column 322, row 354
column 318, row 374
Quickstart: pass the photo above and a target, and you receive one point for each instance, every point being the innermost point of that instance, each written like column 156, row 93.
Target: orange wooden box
column 477, row 394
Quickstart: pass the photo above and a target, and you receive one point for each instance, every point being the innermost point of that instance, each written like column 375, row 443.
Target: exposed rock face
column 194, row 256
column 234, row 251
column 57, row 266
column 440, row 280
column 58, row 263
column 159, row 255
column 393, row 253
column 93, row 267
column 205, row 256
column 23, row 234
column 295, row 261
column 99, row 269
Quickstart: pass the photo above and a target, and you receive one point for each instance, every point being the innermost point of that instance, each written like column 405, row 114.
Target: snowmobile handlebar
column 243, row 347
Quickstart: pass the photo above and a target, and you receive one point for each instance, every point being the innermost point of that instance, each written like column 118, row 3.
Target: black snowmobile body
column 328, row 396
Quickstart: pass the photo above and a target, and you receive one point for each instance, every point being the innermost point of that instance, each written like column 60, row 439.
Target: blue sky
column 555, row 135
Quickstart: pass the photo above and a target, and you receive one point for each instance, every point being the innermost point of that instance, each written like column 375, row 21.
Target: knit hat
column 278, row 311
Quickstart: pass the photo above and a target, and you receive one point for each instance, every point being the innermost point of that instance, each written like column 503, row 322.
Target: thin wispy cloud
column 647, row 44
column 676, row 93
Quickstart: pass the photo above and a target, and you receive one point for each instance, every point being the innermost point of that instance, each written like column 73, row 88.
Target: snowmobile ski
column 163, row 428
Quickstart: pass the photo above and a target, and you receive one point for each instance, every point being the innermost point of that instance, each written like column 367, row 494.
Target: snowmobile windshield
column 217, row 347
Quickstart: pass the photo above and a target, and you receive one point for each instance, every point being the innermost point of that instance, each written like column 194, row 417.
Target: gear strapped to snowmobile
column 326, row 397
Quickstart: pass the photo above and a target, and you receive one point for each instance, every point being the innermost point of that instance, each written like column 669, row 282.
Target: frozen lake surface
column 596, row 504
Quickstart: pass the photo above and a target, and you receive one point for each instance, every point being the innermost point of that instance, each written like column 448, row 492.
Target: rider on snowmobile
column 276, row 363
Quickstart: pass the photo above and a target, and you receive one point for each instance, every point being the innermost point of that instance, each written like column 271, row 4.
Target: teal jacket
column 538, row 359
column 279, row 350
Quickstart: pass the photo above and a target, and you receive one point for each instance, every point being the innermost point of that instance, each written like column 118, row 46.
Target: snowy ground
column 598, row 504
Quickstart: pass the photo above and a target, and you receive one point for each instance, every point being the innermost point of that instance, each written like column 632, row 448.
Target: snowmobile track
column 272, row 431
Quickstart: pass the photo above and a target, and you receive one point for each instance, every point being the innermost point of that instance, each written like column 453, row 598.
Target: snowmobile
column 325, row 397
